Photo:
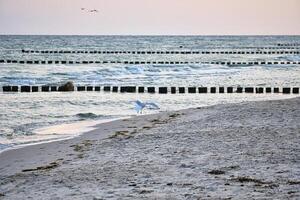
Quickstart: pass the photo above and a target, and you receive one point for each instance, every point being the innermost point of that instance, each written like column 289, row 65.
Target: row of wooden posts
column 159, row 52
column 229, row 63
column 160, row 90
column 288, row 44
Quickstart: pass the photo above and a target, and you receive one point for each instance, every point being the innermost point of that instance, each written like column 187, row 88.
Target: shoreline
column 112, row 127
column 96, row 123
column 86, row 126
column 157, row 147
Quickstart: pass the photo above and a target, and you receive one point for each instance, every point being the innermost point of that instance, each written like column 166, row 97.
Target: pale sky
column 150, row 17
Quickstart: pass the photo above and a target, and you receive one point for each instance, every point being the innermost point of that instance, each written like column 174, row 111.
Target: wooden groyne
column 278, row 51
column 151, row 89
column 85, row 62
column 288, row 44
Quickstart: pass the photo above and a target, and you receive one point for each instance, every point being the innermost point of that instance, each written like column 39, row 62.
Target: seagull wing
column 152, row 106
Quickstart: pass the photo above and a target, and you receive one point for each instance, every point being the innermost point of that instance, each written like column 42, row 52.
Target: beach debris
column 83, row 146
column 132, row 184
column 222, row 170
column 157, row 121
column 125, row 134
column 46, row 167
column 145, row 191
column 216, row 172
column 244, row 179
column 165, row 121
column 184, row 165
column 139, row 106
column 131, row 127
column 80, row 148
column 174, row 115
column 69, row 86
column 257, row 182
column 80, row 156
column 77, row 147
column 147, row 127
column 293, row 182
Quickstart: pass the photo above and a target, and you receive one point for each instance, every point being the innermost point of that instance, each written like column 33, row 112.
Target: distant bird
column 90, row 11
column 93, row 10
column 139, row 106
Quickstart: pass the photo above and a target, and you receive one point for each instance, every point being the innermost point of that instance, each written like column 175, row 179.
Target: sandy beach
column 234, row 151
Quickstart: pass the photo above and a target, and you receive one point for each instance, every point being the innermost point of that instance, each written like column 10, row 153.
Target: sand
column 235, row 151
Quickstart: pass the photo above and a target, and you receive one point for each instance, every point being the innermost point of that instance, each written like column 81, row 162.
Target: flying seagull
column 139, row 106
column 90, row 11
column 93, row 10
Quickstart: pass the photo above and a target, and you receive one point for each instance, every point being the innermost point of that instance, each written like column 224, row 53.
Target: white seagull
column 139, row 106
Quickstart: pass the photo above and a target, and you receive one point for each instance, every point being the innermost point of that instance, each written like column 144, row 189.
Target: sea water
column 22, row 115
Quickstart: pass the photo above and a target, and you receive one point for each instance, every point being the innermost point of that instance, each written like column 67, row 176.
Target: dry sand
column 234, row 151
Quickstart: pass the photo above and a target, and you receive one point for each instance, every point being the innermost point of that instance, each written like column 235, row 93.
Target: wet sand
column 234, row 151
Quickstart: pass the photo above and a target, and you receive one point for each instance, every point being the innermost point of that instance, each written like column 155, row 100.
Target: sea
column 29, row 118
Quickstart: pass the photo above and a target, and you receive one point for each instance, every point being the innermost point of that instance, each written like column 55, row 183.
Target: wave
column 60, row 74
column 88, row 115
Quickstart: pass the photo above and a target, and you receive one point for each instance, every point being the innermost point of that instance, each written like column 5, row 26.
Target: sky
column 150, row 17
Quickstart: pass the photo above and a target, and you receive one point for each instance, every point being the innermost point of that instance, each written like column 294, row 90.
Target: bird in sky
column 90, row 11
column 93, row 10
